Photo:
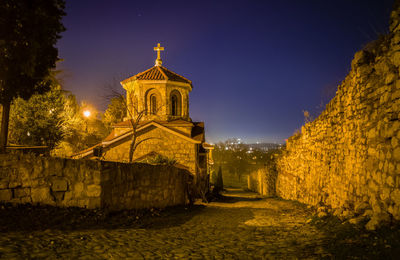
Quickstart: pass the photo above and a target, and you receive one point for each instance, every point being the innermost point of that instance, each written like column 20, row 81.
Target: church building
column 157, row 102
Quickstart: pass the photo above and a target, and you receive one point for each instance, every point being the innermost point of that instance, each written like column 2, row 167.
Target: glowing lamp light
column 86, row 113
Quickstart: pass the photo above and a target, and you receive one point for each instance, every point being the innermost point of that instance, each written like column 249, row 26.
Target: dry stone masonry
column 263, row 181
column 91, row 184
column 348, row 159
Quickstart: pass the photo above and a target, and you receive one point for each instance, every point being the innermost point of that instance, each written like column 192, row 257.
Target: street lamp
column 86, row 114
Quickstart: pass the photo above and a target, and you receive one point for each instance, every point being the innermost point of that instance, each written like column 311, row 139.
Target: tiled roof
column 159, row 73
column 197, row 135
column 110, row 136
column 127, row 124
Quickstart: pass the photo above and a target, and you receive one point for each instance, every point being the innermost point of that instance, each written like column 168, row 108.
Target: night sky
column 255, row 65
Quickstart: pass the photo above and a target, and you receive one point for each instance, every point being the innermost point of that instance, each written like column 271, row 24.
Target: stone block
column 25, row 173
column 93, row 190
column 41, row 195
column 377, row 220
column 78, row 189
column 96, row 177
column 390, row 77
column 68, row 196
column 5, row 195
column 3, row 184
column 394, row 142
column 22, row 192
column 82, row 203
column 361, row 207
column 25, row 200
column 357, row 220
column 347, row 214
column 369, row 213
column 396, row 154
column 37, row 170
column 395, row 196
column 396, row 58
column 390, row 181
column 375, row 204
column 94, row 203
column 58, row 196
column 59, row 185
column 15, row 184
column 385, row 193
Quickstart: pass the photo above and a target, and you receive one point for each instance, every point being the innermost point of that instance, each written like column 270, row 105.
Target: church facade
column 157, row 102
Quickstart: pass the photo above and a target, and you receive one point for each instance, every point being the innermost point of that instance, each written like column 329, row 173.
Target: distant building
column 160, row 97
column 264, row 146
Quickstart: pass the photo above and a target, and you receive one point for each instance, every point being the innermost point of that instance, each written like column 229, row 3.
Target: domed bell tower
column 158, row 93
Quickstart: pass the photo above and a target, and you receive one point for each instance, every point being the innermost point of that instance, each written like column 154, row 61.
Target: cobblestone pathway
column 240, row 227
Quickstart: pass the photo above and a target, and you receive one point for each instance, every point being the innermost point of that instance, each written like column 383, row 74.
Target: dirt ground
column 240, row 225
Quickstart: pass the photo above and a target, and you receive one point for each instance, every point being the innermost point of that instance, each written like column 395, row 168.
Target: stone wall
column 47, row 180
column 348, row 159
column 262, row 181
column 90, row 183
column 136, row 186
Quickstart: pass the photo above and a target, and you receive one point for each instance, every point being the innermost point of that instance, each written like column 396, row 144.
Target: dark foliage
column 219, row 185
column 29, row 30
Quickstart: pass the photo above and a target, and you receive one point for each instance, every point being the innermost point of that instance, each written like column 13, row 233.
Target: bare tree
column 134, row 117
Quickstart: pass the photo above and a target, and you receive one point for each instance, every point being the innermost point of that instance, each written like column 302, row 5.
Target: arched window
column 153, row 104
column 176, row 103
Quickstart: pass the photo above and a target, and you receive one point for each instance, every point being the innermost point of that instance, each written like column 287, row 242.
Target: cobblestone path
column 242, row 226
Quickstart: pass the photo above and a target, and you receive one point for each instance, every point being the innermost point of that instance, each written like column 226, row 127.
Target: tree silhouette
column 29, row 29
column 219, row 185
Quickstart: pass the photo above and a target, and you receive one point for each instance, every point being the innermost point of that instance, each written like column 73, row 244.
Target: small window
column 174, row 104
column 153, row 104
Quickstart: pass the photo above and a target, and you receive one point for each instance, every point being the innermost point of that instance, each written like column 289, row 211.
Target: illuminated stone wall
column 350, row 155
column 262, row 181
column 159, row 141
column 90, row 183
column 144, row 186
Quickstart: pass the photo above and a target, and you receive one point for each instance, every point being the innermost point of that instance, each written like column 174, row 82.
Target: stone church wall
column 162, row 142
column 349, row 157
column 89, row 183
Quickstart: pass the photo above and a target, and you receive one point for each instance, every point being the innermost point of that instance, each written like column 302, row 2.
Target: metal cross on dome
column 158, row 48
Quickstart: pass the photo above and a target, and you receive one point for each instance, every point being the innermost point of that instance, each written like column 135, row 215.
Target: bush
column 219, row 184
